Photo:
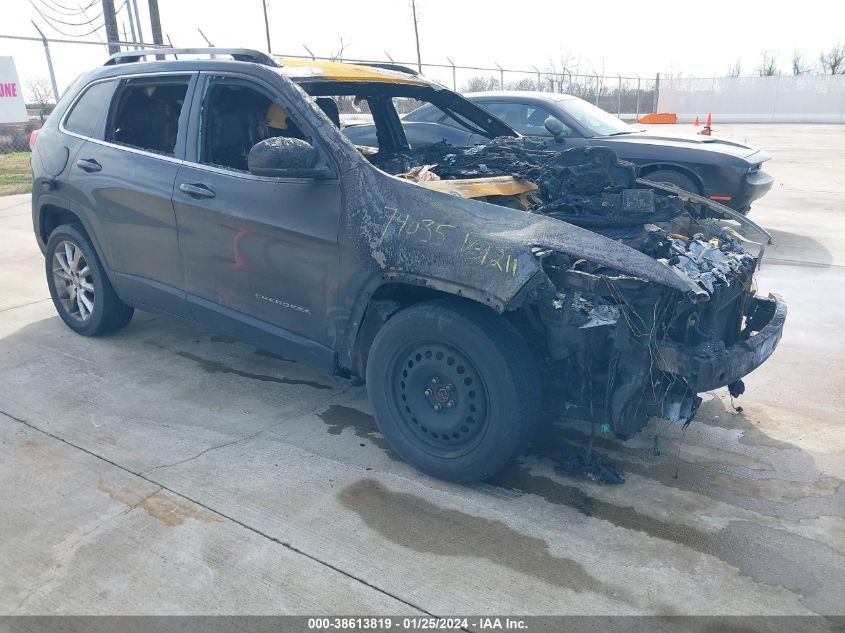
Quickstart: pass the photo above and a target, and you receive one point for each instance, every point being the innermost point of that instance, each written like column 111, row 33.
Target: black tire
column 675, row 178
column 483, row 368
column 107, row 313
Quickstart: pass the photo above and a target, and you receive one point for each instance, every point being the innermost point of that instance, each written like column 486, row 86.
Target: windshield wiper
column 618, row 133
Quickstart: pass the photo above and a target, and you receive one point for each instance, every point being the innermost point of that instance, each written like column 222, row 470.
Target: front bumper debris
column 709, row 367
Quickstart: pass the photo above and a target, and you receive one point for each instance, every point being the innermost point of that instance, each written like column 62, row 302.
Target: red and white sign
column 12, row 105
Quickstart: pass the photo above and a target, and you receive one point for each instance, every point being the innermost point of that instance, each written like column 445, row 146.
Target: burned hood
column 477, row 249
column 479, row 221
column 549, row 233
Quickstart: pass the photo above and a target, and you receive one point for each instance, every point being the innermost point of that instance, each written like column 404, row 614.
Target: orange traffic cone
column 696, row 124
column 707, row 130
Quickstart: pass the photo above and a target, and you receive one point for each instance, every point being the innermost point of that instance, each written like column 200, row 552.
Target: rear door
column 124, row 178
column 260, row 254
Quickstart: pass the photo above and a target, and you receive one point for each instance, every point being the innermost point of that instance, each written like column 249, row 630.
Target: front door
column 260, row 254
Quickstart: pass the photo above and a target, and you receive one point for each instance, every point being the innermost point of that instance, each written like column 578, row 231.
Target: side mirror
column 555, row 128
column 283, row 157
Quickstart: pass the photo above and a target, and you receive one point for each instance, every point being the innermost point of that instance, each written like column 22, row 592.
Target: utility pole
column 49, row 61
column 138, row 22
column 266, row 26
column 155, row 22
column 416, row 35
column 112, row 36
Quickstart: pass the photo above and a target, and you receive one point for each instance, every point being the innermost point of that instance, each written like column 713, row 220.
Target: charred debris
column 602, row 333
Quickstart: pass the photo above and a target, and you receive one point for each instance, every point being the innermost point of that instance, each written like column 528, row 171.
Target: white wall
column 779, row 99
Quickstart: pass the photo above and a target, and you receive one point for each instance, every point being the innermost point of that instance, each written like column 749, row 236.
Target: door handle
column 197, row 190
column 89, row 165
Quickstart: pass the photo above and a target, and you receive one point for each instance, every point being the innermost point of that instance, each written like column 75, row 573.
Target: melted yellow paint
column 339, row 71
column 481, row 187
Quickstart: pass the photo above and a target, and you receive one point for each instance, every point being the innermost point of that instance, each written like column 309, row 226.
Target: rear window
column 145, row 114
column 86, row 116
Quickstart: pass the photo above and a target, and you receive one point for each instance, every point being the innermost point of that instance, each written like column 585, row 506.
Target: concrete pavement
column 169, row 470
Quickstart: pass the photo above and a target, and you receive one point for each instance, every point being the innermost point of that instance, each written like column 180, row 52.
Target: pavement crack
column 63, row 556
column 310, row 411
column 23, row 305
column 213, row 448
column 246, row 526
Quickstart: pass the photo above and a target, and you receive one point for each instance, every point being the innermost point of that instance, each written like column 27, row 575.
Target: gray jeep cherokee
column 474, row 288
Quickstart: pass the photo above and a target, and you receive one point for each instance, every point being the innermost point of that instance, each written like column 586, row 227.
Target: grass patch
column 15, row 173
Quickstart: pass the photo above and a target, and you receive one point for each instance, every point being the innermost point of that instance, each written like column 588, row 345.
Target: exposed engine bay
column 617, row 348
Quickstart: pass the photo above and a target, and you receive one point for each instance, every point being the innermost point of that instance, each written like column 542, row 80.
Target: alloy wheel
column 73, row 280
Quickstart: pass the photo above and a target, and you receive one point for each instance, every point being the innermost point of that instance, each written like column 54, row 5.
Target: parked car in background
column 720, row 169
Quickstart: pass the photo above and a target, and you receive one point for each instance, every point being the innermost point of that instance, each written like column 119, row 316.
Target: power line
column 65, row 33
column 54, row 19
column 51, row 20
column 97, row 33
column 60, row 8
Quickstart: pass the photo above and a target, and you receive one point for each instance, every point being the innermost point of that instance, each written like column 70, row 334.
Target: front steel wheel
column 440, row 396
column 455, row 389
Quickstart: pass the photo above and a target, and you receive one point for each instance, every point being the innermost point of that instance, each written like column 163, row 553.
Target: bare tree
column 338, row 54
column 481, row 84
column 799, row 65
column 522, row 84
column 735, row 70
column 41, row 93
column 769, row 65
column 833, row 61
column 561, row 72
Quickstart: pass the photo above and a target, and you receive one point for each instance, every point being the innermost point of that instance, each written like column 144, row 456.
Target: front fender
column 414, row 231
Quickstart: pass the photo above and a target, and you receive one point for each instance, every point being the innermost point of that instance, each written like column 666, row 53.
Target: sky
column 628, row 38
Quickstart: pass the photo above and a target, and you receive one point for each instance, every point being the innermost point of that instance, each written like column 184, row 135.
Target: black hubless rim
column 438, row 397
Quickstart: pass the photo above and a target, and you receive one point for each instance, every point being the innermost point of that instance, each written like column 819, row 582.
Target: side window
column 86, row 117
column 525, row 118
column 145, row 114
column 235, row 116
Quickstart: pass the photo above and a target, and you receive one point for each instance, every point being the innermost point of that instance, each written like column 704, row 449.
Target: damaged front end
column 623, row 333
column 629, row 348
column 620, row 349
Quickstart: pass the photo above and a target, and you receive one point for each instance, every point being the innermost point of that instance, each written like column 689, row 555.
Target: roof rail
column 238, row 54
column 394, row 67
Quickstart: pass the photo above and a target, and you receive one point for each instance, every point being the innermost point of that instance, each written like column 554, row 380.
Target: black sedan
column 723, row 170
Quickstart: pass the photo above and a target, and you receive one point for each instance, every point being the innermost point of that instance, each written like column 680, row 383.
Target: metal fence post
column 638, row 100
column 539, row 84
column 49, row 61
column 501, row 76
column 656, row 97
column 619, row 97
column 597, row 88
column 454, row 75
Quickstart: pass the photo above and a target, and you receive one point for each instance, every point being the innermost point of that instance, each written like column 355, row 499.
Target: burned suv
column 473, row 287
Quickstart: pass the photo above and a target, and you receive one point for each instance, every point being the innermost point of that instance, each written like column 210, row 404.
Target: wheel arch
column 53, row 212
column 653, row 167
column 388, row 298
column 51, row 216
